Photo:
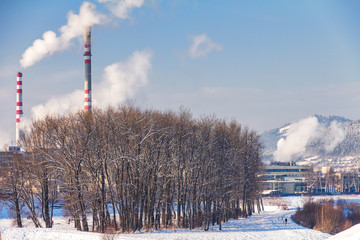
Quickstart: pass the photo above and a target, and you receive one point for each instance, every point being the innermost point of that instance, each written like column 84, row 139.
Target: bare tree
column 11, row 181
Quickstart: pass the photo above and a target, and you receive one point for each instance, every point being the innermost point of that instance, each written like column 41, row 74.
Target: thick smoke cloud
column 59, row 105
column 202, row 45
column 122, row 8
column 121, row 81
column 303, row 132
column 297, row 139
column 51, row 43
column 336, row 135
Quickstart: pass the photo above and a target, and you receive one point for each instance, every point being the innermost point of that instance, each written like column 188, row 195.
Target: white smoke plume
column 335, row 136
column 51, row 43
column 202, row 45
column 121, row 81
column 122, row 8
column 296, row 140
column 59, row 105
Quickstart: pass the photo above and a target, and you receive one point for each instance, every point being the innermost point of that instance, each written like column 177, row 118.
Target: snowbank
column 352, row 233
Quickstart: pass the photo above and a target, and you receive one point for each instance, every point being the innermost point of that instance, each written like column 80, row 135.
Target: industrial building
column 284, row 178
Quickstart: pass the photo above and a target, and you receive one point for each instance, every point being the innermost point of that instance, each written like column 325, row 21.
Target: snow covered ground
column 266, row 225
column 350, row 234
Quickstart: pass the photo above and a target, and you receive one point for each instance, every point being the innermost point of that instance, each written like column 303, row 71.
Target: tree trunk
column 18, row 214
column 81, row 203
column 45, row 201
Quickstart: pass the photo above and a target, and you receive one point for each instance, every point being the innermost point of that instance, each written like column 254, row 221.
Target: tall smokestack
column 87, row 56
column 19, row 111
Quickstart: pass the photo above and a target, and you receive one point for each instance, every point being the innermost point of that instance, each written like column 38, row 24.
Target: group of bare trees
column 133, row 169
column 27, row 188
column 331, row 182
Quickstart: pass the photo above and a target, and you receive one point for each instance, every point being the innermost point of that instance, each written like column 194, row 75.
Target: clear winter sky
column 263, row 63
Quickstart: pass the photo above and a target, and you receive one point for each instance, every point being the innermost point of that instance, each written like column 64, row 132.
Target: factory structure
column 87, row 56
column 19, row 104
column 284, row 178
column 16, row 148
column 6, row 156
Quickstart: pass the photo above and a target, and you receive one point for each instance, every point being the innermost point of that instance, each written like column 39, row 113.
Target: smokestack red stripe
column 19, row 111
column 87, row 61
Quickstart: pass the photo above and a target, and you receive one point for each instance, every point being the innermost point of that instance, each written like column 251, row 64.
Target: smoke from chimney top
column 50, row 43
column 88, row 16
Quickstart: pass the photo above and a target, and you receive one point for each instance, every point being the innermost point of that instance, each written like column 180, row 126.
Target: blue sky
column 263, row 63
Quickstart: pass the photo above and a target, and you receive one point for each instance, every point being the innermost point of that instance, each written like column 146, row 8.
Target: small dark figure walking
column 285, row 221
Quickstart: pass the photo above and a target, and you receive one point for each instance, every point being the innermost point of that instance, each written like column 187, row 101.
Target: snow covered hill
column 318, row 140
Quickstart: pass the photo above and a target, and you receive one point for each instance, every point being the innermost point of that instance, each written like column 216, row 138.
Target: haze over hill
column 318, row 140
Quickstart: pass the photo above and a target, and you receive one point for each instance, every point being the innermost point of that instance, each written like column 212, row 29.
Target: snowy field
column 267, row 225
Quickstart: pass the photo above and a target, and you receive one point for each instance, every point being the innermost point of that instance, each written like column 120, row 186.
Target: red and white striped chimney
column 19, row 111
column 87, row 56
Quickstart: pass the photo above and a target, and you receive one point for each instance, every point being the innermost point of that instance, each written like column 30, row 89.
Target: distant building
column 284, row 178
column 6, row 156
